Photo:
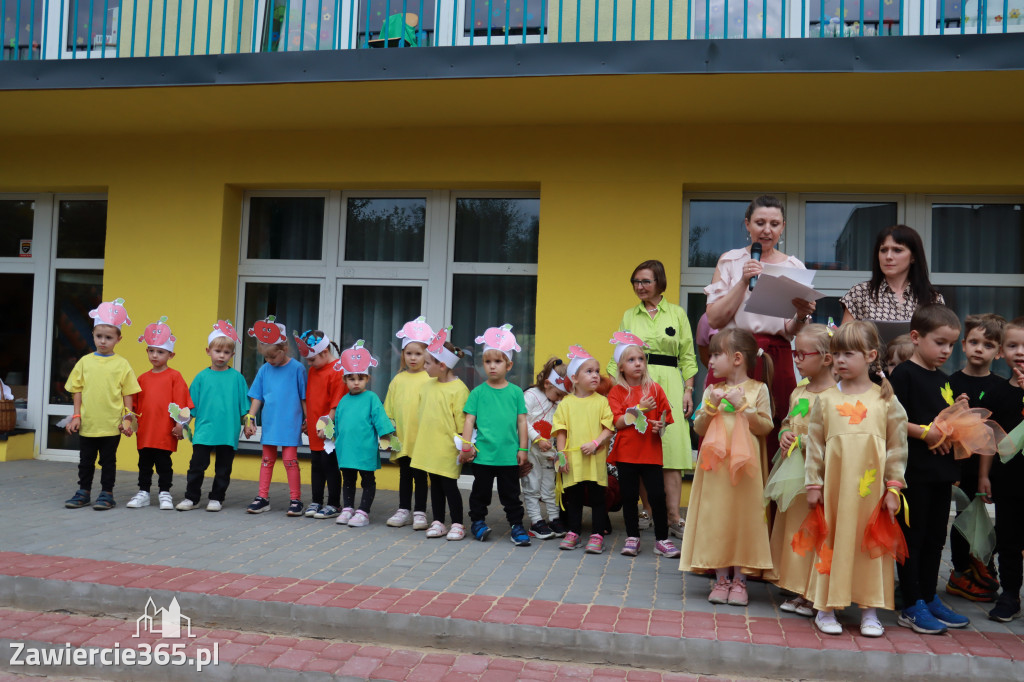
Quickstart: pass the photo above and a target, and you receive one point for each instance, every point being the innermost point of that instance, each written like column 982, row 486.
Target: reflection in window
column 292, row 25
column 57, row 438
column 1005, row 301
column 22, row 29
column 286, row 228
column 715, row 227
column 482, row 301
column 841, row 235
column 386, row 18
column 16, row 310
column 82, row 228
column 972, row 16
column 852, row 14
column 296, row 306
column 385, row 229
column 76, row 292
column 496, row 230
column 374, row 314
column 504, row 17
column 956, row 248
column 723, row 19
column 16, row 216
column 95, row 25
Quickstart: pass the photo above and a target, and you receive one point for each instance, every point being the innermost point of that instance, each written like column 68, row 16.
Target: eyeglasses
column 800, row 355
column 642, row 282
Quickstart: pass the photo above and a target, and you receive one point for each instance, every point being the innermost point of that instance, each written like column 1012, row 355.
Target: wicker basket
column 8, row 416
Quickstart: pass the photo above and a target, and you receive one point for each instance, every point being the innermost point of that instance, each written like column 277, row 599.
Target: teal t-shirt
column 219, row 400
column 360, row 421
column 497, row 413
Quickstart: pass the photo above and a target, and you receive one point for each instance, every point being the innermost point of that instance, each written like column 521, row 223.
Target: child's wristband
column 925, row 428
column 597, row 445
column 710, row 409
column 76, row 416
column 524, row 449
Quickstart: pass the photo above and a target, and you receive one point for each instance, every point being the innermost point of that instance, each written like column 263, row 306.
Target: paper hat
column 624, row 340
column 311, row 342
column 577, row 356
column 222, row 328
column 415, row 331
column 268, row 331
column 158, row 335
column 563, row 384
column 112, row 313
column 439, row 352
column 355, row 360
column 499, row 338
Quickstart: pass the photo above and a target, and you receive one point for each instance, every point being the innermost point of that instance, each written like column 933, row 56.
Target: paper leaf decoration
column 641, row 423
column 326, row 424
column 801, row 409
column 866, row 480
column 856, row 413
column 947, row 393
column 543, row 428
column 392, row 444
column 825, row 565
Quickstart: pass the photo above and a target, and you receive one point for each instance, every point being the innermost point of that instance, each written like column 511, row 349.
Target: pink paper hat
column 355, row 360
column 501, row 339
column 577, row 356
column 268, row 331
column 311, row 342
column 563, row 384
column 415, row 331
column 624, row 340
column 112, row 313
column 158, row 335
column 439, row 352
column 222, row 328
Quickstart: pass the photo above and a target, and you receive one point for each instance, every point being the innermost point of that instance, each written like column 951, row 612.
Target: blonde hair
column 645, row 380
column 492, row 352
column 222, row 342
column 402, row 366
column 264, row 348
column 554, row 363
column 859, row 336
column 819, row 335
column 735, row 340
column 899, row 349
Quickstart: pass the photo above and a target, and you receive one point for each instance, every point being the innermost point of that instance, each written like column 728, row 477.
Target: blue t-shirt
column 360, row 421
column 497, row 413
column 282, row 390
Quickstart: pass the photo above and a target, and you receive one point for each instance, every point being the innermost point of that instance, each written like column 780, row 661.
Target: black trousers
column 324, row 471
column 926, row 536
column 442, row 490
column 161, row 460
column 484, row 476
column 105, row 447
column 572, row 502
column 197, row 471
column 630, row 476
column 410, row 478
column 1007, row 480
column 348, row 488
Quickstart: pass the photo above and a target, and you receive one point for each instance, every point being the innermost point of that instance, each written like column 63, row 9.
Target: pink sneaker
column 570, row 541
column 720, row 592
column 738, row 593
column 665, row 548
column 632, row 547
column 595, row 545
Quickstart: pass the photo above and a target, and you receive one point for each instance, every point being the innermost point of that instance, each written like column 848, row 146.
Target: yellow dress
column 725, row 523
column 440, row 419
column 402, row 404
column 583, row 420
column 853, row 462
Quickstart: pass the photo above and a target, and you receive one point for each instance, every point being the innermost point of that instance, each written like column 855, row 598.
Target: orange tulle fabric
column 884, row 536
column 969, row 430
column 812, row 533
column 714, row 448
column 717, row 446
column 742, row 448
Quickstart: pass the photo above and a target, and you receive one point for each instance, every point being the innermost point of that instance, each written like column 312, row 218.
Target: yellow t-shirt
column 440, row 419
column 583, row 420
column 103, row 382
column 402, row 404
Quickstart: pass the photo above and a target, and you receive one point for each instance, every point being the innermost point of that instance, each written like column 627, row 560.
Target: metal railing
column 88, row 29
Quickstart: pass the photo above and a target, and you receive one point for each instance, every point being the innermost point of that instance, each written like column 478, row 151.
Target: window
column 840, row 235
column 837, row 18
column 388, row 229
column 286, row 228
column 16, row 310
column 956, row 246
column 738, row 19
column 495, row 19
column 16, row 216
column 81, row 228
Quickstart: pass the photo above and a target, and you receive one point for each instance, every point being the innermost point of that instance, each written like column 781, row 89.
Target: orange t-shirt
column 631, row 445
column 324, row 390
column 159, row 389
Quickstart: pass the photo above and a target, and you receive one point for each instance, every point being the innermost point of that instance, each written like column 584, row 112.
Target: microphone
column 755, row 254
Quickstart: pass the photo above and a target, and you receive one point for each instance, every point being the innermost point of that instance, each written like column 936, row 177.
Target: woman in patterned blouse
column 899, row 280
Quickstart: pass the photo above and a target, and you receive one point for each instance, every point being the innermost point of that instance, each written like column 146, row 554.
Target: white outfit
column 539, row 484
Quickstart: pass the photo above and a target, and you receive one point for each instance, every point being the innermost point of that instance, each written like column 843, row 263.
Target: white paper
column 773, row 296
column 805, row 277
column 890, row 330
column 328, row 446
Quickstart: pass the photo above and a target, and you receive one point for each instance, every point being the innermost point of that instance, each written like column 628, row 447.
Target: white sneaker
column 140, row 500
column 214, row 505
column 419, row 521
column 166, row 501
column 436, row 530
column 186, row 505
column 399, row 518
column 457, row 532
column 359, row 519
column 344, row 517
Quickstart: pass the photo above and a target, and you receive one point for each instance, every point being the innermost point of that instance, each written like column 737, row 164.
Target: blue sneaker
column 480, row 530
column 920, row 619
column 520, row 538
column 80, row 499
column 104, row 501
column 946, row 615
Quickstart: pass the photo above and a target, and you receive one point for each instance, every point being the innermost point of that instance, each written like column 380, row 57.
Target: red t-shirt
column 324, row 390
column 631, row 445
column 158, row 391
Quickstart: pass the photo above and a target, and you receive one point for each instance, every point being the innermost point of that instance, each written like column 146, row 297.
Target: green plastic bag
column 976, row 526
column 787, row 479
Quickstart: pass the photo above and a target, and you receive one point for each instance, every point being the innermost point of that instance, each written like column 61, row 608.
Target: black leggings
column 572, row 502
column 91, row 447
column 348, row 488
column 150, row 458
column 444, row 489
column 926, row 536
column 324, row 471
column 410, row 477
column 630, row 475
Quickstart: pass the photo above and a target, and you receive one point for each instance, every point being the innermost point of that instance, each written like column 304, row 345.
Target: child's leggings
column 348, row 488
column 572, row 500
column 324, row 471
column 410, row 477
column 630, row 475
column 290, row 455
column 444, row 489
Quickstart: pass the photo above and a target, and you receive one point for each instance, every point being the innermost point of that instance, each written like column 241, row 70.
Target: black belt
column 663, row 360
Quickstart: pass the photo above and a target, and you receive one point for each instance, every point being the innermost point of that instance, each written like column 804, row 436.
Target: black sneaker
column 558, row 528
column 541, row 530
column 1006, row 609
column 258, row 506
column 80, row 499
column 295, row 508
column 104, row 502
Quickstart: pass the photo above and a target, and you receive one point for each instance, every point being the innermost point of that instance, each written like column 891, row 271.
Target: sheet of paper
column 805, row 277
column 890, row 330
column 773, row 296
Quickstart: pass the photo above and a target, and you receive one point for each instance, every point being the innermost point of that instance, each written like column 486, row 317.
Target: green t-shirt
column 497, row 413
column 220, row 400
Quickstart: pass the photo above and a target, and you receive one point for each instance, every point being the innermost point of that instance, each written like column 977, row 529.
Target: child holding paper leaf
column 324, row 390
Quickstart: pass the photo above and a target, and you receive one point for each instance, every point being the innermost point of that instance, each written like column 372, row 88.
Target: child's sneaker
column 456, row 532
column 345, row 516
column 186, row 505
column 520, row 538
column 963, row 585
column 480, row 530
column 258, row 506
column 294, row 508
column 104, row 502
column 139, row 500
column 436, row 530
column 541, row 530
column 920, row 619
column 80, row 499
column 570, row 541
column 946, row 615
column 419, row 521
column 359, row 519
column 400, row 518
column 982, row 575
column 595, row 545
column 720, row 591
column 632, row 547
column 214, row 506
column 558, row 528
column 166, row 501
column 327, row 512
column 1006, row 609
column 312, row 509
column 665, row 548
column 738, row 593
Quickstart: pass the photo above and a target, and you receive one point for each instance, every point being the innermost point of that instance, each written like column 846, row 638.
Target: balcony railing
column 88, row 29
